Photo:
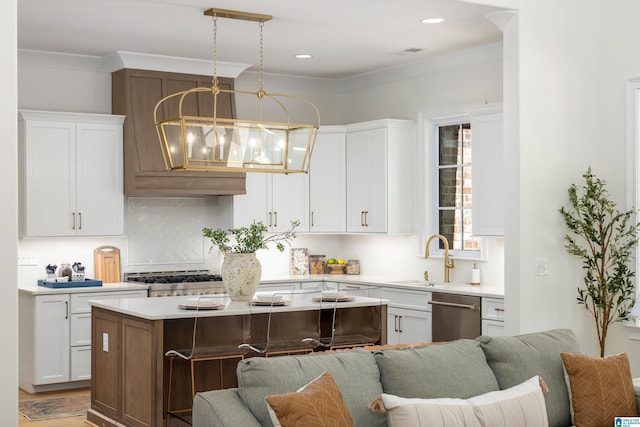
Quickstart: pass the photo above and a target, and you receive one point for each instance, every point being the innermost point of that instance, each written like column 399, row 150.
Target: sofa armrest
column 221, row 408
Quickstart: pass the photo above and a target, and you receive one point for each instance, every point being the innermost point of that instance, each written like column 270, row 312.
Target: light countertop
column 106, row 287
column 167, row 307
column 483, row 290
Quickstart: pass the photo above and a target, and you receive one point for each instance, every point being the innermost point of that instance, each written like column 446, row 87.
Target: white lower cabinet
column 408, row 316
column 51, row 347
column 55, row 338
column 406, row 326
column 355, row 289
column 80, row 363
column 284, row 286
column 492, row 316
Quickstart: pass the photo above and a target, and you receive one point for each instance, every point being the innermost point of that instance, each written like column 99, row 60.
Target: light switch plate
column 542, row 266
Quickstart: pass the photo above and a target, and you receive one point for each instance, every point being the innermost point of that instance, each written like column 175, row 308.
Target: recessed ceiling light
column 432, row 20
column 303, row 56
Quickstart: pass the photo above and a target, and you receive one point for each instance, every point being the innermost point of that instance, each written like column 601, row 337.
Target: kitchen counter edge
column 106, row 287
column 389, row 282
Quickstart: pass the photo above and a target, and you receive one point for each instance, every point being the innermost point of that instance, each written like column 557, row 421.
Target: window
column 454, row 187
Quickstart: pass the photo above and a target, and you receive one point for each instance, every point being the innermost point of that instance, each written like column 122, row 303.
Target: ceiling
column 346, row 37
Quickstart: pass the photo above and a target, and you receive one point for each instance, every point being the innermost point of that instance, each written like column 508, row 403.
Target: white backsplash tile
column 163, row 231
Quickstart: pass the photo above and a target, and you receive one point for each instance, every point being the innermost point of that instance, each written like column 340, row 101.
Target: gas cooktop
column 199, row 276
column 177, row 283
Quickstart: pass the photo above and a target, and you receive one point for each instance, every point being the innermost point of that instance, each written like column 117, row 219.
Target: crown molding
column 121, row 59
column 174, row 64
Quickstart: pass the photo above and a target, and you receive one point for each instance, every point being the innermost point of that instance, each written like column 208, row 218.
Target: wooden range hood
column 135, row 94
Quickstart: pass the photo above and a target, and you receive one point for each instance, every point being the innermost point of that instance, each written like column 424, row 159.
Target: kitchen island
column 131, row 336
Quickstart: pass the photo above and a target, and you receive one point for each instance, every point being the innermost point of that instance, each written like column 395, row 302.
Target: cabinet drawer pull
column 312, row 219
column 499, row 309
column 395, row 323
column 362, row 218
column 73, row 216
column 400, row 324
column 275, row 215
column 80, row 220
column 270, row 220
column 66, row 309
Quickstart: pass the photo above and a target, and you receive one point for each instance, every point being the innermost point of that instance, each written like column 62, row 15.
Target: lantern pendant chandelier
column 271, row 142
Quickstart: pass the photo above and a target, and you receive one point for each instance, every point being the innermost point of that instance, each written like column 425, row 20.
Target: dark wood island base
column 130, row 373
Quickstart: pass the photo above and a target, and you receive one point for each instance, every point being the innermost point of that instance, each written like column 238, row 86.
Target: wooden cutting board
column 106, row 261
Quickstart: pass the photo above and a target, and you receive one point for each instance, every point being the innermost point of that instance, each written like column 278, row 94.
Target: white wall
column 571, row 107
column 9, row 229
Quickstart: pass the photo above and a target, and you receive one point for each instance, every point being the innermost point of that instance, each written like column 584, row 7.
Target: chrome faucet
column 448, row 263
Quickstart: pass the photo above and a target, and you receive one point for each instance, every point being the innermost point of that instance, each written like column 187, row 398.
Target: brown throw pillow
column 317, row 404
column 600, row 389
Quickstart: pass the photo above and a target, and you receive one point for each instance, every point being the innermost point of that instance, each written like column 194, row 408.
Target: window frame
column 432, row 203
column 632, row 137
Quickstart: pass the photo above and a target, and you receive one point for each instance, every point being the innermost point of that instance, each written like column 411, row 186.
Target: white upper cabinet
column 327, row 182
column 360, row 181
column 488, row 182
column 275, row 199
column 380, row 176
column 70, row 174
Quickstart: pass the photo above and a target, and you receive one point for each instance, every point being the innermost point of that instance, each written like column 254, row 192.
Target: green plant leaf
column 603, row 238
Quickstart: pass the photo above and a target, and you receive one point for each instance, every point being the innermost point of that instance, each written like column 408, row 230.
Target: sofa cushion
column 600, row 388
column 316, row 404
column 515, row 359
column 454, row 369
column 355, row 373
column 516, row 406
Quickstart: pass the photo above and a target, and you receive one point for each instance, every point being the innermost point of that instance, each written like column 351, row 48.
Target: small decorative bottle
column 475, row 274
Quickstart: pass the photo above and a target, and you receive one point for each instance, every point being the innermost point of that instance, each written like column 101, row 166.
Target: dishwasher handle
column 453, row 304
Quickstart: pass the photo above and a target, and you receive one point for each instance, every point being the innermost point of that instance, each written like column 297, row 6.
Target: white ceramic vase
column 241, row 275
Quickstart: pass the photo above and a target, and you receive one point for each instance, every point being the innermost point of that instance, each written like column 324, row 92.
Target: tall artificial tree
column 604, row 239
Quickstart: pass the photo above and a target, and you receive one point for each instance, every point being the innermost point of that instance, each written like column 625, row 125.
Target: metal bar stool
column 341, row 335
column 197, row 354
column 283, row 337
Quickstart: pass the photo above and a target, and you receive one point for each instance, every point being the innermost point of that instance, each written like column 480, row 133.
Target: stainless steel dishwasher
column 454, row 317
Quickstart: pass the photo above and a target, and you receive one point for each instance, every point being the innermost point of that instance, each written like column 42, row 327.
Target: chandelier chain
column 214, row 81
column 261, row 80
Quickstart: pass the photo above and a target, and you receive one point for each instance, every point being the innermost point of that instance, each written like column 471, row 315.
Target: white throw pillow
column 521, row 405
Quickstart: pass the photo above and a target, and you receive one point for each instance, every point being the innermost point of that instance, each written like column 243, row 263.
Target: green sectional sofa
column 458, row 369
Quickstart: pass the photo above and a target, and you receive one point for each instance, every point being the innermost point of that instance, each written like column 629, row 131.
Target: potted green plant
column 604, row 239
column 241, row 269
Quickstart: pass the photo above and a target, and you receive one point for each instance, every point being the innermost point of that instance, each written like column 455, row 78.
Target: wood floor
column 59, row 422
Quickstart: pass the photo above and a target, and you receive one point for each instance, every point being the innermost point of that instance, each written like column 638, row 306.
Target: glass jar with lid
column 316, row 264
column 353, row 266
